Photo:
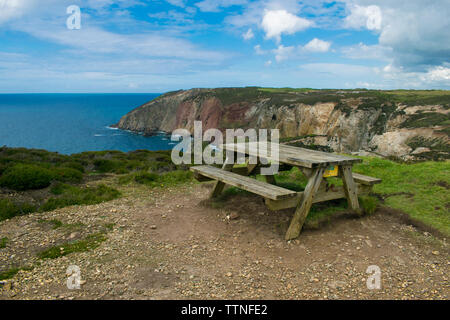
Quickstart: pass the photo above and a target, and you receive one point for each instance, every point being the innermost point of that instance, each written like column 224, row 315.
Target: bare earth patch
column 172, row 244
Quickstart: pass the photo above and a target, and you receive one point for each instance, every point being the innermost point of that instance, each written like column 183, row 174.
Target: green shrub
column 368, row 204
column 68, row 175
column 177, row 176
column 74, row 165
column 71, row 195
column 26, row 177
column 148, row 178
column 9, row 209
column 112, row 166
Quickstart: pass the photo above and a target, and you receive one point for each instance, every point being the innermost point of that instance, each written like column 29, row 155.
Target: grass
column 3, row 242
column 10, row 209
column 48, row 180
column 8, row 274
column 419, row 189
column 71, row 195
column 90, row 242
column 153, row 179
column 427, row 182
column 55, row 223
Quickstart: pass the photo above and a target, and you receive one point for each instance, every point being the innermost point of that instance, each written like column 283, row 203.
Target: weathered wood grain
column 350, row 188
column 246, row 183
column 293, row 155
column 304, row 204
column 366, row 180
column 321, row 196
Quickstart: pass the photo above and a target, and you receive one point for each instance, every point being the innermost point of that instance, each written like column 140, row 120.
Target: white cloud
column 216, row 5
column 177, row 3
column 369, row 17
column 317, row 45
column 278, row 22
column 438, row 74
column 248, row 35
column 283, row 53
column 11, row 9
column 258, row 50
column 268, row 63
column 413, row 34
column 363, row 51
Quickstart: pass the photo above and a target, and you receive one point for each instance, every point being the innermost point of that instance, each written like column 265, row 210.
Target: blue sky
column 162, row 45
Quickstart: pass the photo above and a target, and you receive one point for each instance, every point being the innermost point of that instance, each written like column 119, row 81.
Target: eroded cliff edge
column 405, row 124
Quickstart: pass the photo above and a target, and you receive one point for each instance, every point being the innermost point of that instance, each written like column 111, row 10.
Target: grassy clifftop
column 38, row 181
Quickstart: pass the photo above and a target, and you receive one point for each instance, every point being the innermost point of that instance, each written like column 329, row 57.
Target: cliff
column 404, row 124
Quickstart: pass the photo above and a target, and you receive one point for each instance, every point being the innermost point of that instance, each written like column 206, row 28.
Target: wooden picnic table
column 314, row 164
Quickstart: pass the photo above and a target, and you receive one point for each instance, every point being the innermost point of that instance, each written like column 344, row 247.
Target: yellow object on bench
column 331, row 171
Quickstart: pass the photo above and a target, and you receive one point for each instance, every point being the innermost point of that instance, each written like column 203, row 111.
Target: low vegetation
column 38, row 180
column 8, row 274
column 419, row 189
column 3, row 242
column 92, row 241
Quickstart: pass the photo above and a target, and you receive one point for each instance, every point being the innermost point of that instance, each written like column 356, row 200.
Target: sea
column 73, row 123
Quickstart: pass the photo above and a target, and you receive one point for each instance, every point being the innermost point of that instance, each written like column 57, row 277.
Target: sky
column 163, row 45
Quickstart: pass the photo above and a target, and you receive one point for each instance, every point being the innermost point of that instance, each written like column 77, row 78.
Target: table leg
column 270, row 179
column 219, row 185
column 350, row 188
column 304, row 204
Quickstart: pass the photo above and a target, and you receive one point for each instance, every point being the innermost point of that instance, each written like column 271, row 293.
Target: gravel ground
column 172, row 244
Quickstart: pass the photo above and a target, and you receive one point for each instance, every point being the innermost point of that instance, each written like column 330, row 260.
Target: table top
column 295, row 156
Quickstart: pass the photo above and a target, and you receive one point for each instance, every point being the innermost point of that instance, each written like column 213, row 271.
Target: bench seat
column 263, row 189
column 366, row 180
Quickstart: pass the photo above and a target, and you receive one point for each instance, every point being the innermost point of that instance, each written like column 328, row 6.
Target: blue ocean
column 73, row 123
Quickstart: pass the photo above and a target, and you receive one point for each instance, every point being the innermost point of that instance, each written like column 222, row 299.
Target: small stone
column 153, row 227
column 436, row 253
column 229, row 274
column 73, row 235
column 233, row 216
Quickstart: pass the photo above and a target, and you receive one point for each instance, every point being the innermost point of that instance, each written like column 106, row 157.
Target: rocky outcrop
column 344, row 121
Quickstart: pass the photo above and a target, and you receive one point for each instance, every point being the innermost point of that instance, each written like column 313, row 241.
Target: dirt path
column 169, row 244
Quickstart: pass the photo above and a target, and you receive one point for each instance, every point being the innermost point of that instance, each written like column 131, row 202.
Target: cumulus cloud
column 369, row 17
column 363, row 51
column 278, row 22
column 11, row 9
column 317, row 45
column 216, row 5
column 248, row 35
column 283, row 53
column 413, row 34
column 438, row 73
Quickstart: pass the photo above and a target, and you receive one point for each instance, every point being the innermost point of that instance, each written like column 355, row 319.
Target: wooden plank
column 252, row 185
column 219, row 185
column 365, row 179
column 305, row 204
column 293, row 155
column 321, row 196
column 350, row 188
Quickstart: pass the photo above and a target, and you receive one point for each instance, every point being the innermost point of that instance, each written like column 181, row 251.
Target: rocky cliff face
column 405, row 124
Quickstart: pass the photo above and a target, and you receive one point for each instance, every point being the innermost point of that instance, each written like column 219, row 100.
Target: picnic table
column 317, row 166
